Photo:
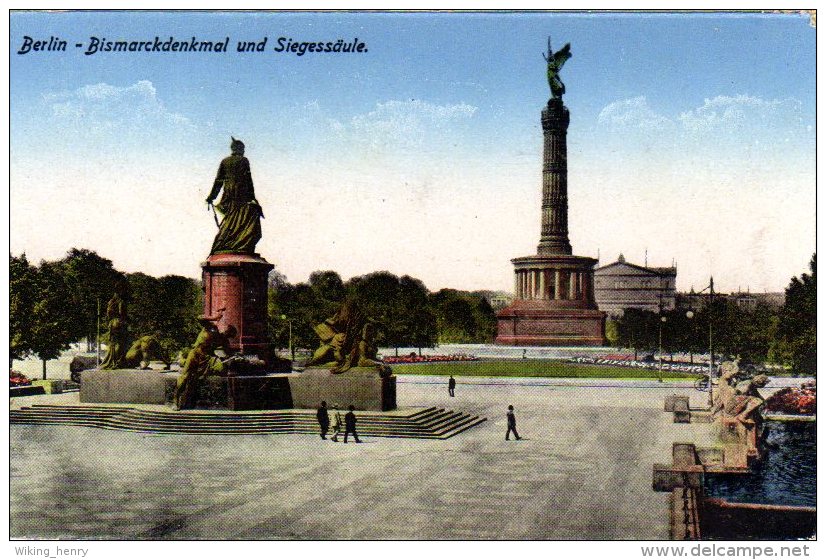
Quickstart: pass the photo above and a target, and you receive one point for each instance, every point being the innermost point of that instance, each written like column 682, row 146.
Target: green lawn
column 534, row 368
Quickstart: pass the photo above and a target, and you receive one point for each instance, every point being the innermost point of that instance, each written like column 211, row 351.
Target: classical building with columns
column 622, row 285
column 554, row 301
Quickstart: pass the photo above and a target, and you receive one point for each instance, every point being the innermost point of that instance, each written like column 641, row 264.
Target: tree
column 611, row 333
column 416, row 323
column 797, row 325
column 327, row 285
column 455, row 316
column 180, row 301
column 23, row 293
column 744, row 333
column 485, row 321
column 166, row 307
column 276, row 279
column 54, row 317
column 638, row 329
column 301, row 309
column 92, row 280
column 377, row 295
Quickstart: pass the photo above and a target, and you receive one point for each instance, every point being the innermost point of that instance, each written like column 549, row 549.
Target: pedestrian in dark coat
column 451, row 386
column 323, row 419
column 350, row 425
column 511, row 424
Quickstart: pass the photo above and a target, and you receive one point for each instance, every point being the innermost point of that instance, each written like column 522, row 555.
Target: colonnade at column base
column 554, row 304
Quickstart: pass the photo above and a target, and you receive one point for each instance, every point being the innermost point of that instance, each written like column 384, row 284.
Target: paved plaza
column 581, row 471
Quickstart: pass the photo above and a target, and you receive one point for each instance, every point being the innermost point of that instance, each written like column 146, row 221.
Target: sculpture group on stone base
column 143, row 350
column 347, row 341
column 739, row 405
column 203, row 360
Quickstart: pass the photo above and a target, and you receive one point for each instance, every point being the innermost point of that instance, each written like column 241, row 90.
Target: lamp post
column 710, row 308
column 97, row 338
column 663, row 319
column 290, row 339
column 690, row 315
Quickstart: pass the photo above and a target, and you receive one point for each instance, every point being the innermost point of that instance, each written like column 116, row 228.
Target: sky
column 692, row 141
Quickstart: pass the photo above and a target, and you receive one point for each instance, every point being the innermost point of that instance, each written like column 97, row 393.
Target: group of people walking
column 349, row 424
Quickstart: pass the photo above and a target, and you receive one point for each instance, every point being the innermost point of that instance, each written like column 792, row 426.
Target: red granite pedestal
column 238, row 284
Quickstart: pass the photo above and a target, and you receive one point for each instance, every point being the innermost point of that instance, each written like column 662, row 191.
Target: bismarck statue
column 240, row 229
column 234, row 275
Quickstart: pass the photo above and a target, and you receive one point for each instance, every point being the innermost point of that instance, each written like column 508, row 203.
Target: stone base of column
column 238, row 284
column 529, row 324
column 562, row 312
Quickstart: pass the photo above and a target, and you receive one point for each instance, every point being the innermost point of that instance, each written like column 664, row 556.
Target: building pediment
column 624, row 269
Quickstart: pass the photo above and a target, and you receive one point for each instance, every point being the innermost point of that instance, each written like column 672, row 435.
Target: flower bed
column 17, row 379
column 792, row 400
column 416, row 359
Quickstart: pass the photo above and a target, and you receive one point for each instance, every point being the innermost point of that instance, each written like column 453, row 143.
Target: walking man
column 451, row 386
column 337, row 423
column 511, row 424
column 350, row 425
column 323, row 419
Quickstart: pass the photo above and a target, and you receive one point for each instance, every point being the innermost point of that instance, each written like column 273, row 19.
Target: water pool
column 787, row 475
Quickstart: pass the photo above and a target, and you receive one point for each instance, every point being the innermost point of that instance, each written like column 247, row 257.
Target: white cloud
column 632, row 113
column 729, row 114
column 103, row 108
column 408, row 121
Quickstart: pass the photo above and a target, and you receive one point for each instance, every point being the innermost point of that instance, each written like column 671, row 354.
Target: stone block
column 258, row 392
column 701, row 417
column 710, row 456
column 681, row 404
column 669, row 402
column 682, row 417
column 683, row 454
column 25, row 391
column 360, row 387
column 668, row 477
column 254, row 392
column 133, row 386
column 685, row 522
column 50, row 386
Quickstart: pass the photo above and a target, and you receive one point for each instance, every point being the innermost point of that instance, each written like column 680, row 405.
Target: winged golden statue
column 556, row 60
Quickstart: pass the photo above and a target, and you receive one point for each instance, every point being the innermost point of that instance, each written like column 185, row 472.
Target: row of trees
column 784, row 336
column 406, row 313
column 57, row 303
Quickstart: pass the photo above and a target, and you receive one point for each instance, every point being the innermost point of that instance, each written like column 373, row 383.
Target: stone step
column 418, row 417
column 450, row 423
column 454, row 430
column 432, row 422
column 429, row 423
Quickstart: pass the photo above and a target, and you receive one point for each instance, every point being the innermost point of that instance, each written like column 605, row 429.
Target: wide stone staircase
column 421, row 423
